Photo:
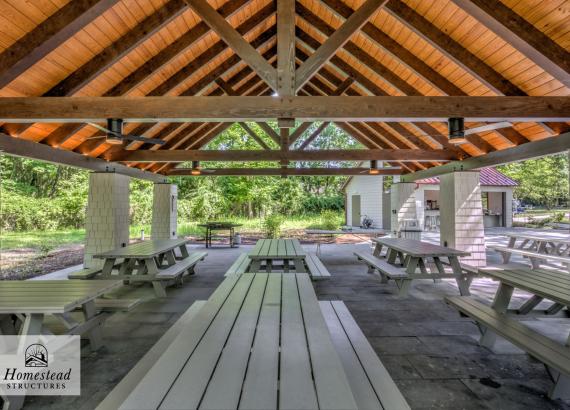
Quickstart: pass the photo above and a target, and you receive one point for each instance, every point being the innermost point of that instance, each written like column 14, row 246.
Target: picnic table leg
column 94, row 334
column 127, row 266
column 159, row 288
column 32, row 326
column 377, row 250
column 463, row 282
column 512, row 241
column 151, row 266
column 108, row 266
column 391, row 256
column 299, row 266
column 255, row 265
column 183, row 251
column 170, row 257
column 500, row 304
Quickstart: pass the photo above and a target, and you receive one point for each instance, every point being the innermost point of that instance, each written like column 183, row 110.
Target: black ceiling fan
column 114, row 133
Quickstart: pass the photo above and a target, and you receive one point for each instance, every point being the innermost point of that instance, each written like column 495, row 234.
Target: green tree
column 542, row 181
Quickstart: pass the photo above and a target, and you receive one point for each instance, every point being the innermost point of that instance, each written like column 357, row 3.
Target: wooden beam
column 535, row 149
column 185, row 109
column 295, row 155
column 270, row 132
column 522, row 35
column 49, row 35
column 282, row 171
column 29, row 149
column 253, row 135
column 238, row 44
column 314, row 135
column 298, row 132
column 336, row 41
column 286, row 47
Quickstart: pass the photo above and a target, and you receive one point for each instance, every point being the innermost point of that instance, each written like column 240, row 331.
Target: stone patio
column 430, row 351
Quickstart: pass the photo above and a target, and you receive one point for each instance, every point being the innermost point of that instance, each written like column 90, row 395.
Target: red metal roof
column 488, row 177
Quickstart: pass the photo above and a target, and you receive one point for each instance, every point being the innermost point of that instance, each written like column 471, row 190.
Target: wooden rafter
column 522, row 35
column 49, row 35
column 336, row 41
column 462, row 57
column 235, row 40
column 61, row 134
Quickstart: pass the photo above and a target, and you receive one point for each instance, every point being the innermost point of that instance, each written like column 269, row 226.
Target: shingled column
column 402, row 205
column 107, row 216
column 164, row 211
column 461, row 215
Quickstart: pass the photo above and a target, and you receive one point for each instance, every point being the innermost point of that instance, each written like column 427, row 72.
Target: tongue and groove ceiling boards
column 214, row 48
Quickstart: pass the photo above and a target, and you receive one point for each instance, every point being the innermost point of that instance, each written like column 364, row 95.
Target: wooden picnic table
column 25, row 303
column 539, row 243
column 414, row 255
column 357, row 232
column 145, row 257
column 263, row 362
column 495, row 320
column 541, row 283
column 31, row 300
column 219, row 226
column 272, row 250
column 150, row 261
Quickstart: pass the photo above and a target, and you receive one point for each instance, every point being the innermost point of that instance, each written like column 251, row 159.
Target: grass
column 56, row 239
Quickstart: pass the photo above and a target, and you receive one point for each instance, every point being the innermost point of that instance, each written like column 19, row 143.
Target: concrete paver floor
column 431, row 352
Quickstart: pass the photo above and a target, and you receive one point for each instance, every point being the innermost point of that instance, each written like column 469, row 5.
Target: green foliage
column 316, row 204
column 330, row 220
column 272, row 226
column 542, row 181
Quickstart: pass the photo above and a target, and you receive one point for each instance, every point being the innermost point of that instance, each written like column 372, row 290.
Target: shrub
column 272, row 226
column 330, row 220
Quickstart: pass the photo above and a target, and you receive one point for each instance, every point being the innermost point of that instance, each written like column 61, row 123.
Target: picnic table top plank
column 144, row 249
column 54, row 296
column 296, row 390
column 419, row 249
column 261, row 381
column 224, row 388
column 333, row 389
column 191, row 383
column 371, row 231
column 538, row 238
column 546, row 285
column 151, row 390
column 277, row 249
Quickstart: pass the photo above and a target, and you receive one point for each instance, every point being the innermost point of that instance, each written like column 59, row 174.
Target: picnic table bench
column 271, row 251
column 151, row 261
column 404, row 257
column 261, row 341
column 25, row 303
column 315, row 266
column 494, row 320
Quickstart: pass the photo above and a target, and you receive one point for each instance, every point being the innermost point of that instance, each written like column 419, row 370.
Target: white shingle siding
column 370, row 188
column 107, row 215
column 164, row 211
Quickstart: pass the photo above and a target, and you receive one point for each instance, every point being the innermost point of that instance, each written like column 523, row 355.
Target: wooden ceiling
column 90, row 48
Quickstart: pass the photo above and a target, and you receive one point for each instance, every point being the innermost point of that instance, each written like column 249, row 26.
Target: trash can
column 237, row 240
column 410, row 229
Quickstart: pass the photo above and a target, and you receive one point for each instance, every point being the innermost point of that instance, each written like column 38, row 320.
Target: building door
column 355, row 210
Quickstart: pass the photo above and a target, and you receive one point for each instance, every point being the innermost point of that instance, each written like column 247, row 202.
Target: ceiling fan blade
column 96, row 137
column 488, row 127
column 143, row 139
column 99, row 127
